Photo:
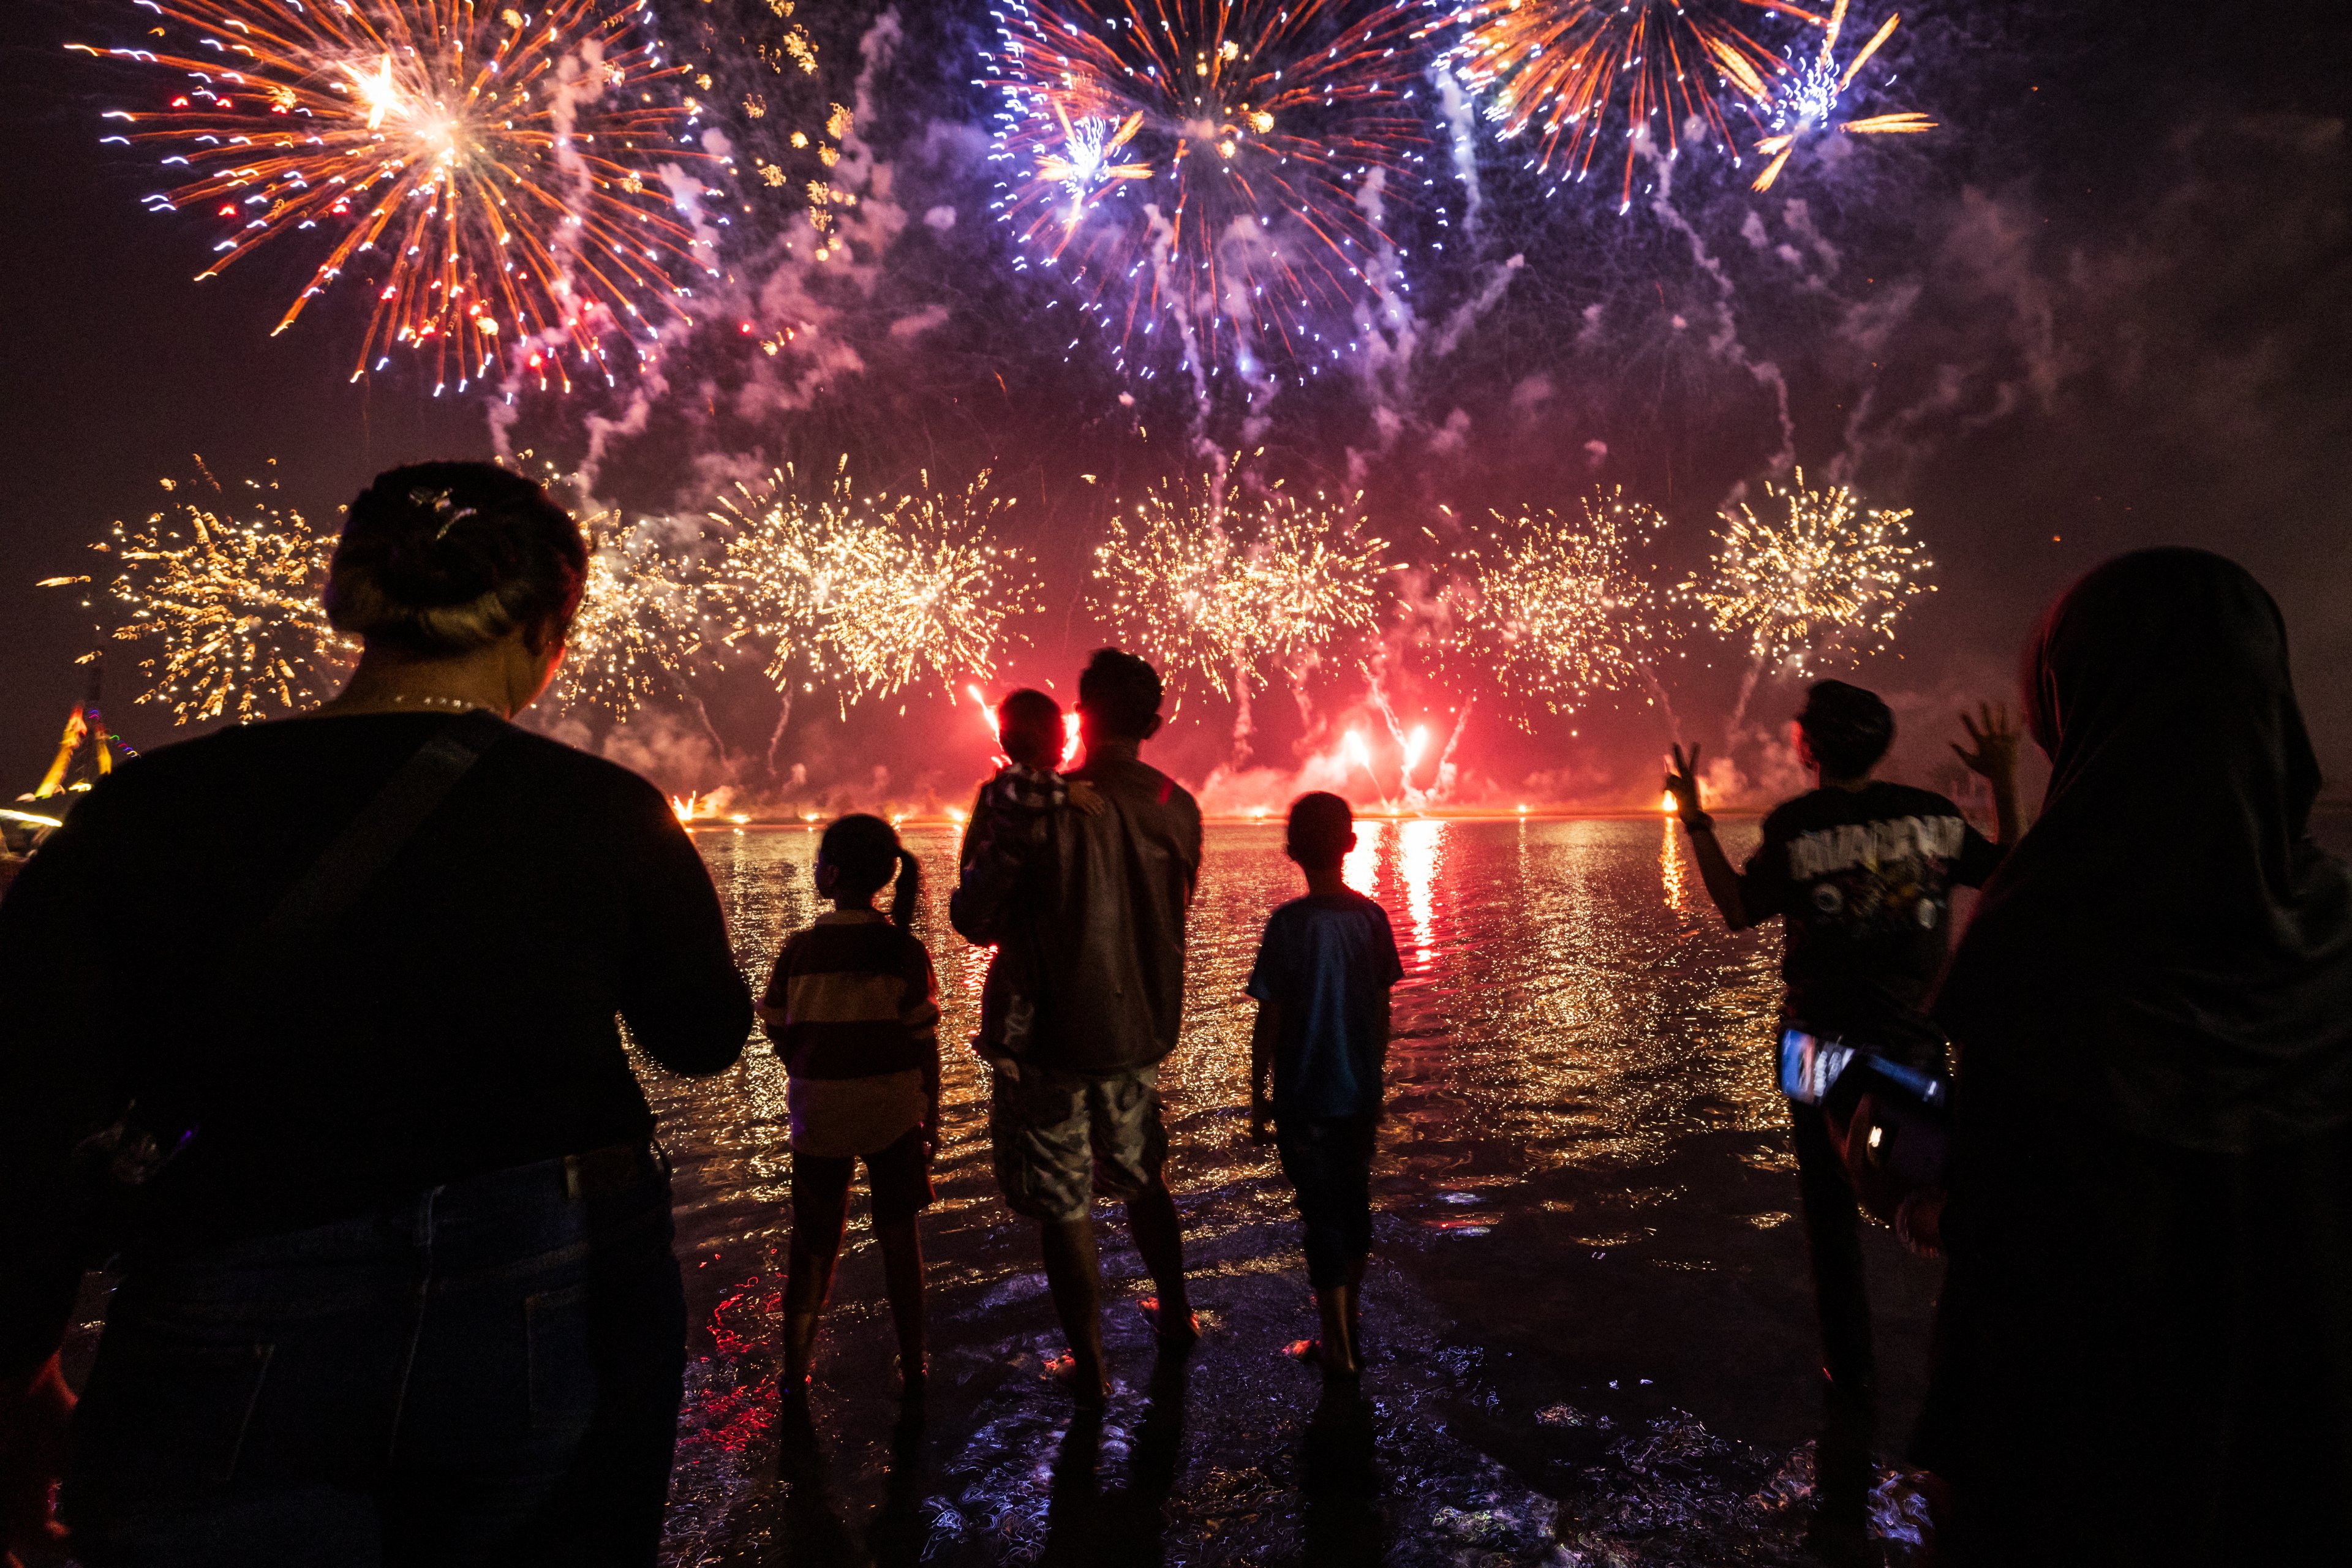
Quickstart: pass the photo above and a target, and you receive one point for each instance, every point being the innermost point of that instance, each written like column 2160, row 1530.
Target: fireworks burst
column 785, row 552
column 1576, row 76
column 1833, row 574
column 512, row 188
column 1218, row 166
column 1811, row 98
column 1552, row 610
column 640, row 621
column 232, row 602
column 871, row 593
column 937, row 597
column 1212, row 592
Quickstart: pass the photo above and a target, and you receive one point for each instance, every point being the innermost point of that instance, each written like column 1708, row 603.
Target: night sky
column 2108, row 304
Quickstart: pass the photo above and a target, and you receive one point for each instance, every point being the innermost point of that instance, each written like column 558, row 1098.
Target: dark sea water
column 1589, row 1318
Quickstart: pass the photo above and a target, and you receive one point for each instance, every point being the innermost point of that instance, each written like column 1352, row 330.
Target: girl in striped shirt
column 853, row 1010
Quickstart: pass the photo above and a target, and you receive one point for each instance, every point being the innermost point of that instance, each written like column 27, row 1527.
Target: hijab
column 2168, row 948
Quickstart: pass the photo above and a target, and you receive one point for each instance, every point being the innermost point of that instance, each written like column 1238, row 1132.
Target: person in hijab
column 2143, row 1349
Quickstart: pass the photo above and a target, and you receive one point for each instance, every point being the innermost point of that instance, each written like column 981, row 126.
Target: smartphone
column 1810, row 1065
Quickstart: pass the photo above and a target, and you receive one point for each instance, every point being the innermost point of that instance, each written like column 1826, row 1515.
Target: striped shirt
column 854, row 1012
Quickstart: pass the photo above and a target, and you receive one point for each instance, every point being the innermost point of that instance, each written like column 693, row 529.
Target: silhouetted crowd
column 343, row 1096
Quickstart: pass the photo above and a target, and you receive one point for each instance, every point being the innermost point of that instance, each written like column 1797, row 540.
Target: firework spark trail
column 1831, row 574
column 1411, row 746
column 1224, row 591
column 1809, row 100
column 1576, row 76
column 513, row 188
column 232, row 602
column 1197, row 164
column 1354, row 751
column 1725, row 342
column 1556, row 611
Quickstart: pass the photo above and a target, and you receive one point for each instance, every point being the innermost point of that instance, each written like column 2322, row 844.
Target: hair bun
column 430, row 558
column 442, row 558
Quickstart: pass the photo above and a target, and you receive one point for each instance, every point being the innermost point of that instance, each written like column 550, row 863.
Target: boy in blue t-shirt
column 1322, row 986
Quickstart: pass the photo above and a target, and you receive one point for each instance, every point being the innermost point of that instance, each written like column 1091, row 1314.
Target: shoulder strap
column 383, row 826
column 157, row 1126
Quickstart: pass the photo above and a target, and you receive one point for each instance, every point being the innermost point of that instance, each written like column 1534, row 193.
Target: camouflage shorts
column 1061, row 1137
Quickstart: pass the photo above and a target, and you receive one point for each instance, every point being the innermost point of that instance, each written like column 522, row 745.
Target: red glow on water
column 730, row 1403
column 1420, row 848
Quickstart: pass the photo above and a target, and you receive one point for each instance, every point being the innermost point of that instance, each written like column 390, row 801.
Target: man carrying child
column 1089, row 921
column 1322, row 981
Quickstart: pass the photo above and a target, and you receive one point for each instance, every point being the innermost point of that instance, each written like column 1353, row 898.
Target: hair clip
column 440, row 502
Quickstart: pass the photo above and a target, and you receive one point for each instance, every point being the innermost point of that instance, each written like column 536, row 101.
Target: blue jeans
column 1329, row 1160
column 487, row 1373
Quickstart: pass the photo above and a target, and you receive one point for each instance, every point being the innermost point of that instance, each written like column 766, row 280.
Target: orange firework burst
column 1810, row 100
column 1217, row 166
column 229, row 603
column 513, row 188
column 1575, row 75
column 1835, row 575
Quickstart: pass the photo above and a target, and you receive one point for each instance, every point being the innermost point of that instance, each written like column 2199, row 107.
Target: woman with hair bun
column 314, row 1026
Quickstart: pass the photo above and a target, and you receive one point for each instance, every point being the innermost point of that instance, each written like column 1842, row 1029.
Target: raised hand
column 1995, row 738
column 1682, row 781
column 35, row 1424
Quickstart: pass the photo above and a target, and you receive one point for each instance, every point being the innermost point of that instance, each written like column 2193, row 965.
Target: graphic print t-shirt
column 1328, row 962
column 1862, row 880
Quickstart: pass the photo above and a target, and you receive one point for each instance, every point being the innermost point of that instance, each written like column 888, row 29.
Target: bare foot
column 1087, row 1393
column 1314, row 1353
column 1178, row 1332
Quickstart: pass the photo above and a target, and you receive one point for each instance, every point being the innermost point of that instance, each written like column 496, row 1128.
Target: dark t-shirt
column 1328, row 962
column 459, row 1017
column 1863, row 880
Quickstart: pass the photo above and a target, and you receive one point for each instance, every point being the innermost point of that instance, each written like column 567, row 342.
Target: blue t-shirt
column 1327, row 961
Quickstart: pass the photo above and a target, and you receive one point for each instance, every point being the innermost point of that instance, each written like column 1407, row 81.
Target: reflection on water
column 1675, row 869
column 1397, row 863
column 1586, row 1300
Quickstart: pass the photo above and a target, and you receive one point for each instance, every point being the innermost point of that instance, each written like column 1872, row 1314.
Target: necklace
column 449, row 704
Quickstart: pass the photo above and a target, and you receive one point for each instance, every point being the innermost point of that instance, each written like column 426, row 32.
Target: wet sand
column 1590, row 1323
